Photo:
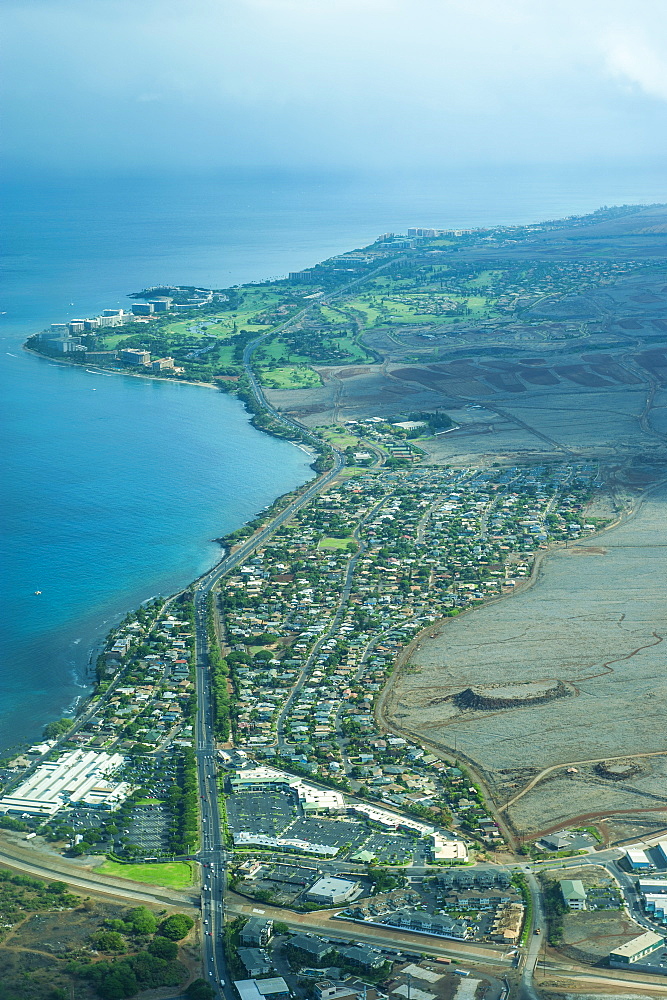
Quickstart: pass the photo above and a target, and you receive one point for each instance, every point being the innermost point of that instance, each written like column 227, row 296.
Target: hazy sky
column 335, row 82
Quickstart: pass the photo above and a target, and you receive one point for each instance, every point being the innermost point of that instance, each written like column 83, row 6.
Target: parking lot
column 269, row 813
column 390, row 847
column 331, row 832
column 149, row 828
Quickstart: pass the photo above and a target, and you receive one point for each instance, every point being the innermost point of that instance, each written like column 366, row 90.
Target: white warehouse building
column 78, row 777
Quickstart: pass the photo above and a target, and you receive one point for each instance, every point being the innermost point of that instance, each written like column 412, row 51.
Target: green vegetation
column 555, row 907
column 335, row 543
column 199, row 989
column 174, row 875
column 176, row 927
column 183, row 799
column 519, row 880
column 290, row 377
column 55, row 729
column 21, row 895
column 220, row 684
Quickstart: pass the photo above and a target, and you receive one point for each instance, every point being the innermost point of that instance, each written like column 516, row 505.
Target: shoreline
column 85, row 680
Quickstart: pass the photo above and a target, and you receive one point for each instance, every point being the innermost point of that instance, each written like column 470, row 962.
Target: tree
column 142, row 920
column 177, row 926
column 162, row 947
column 55, row 729
column 109, row 941
column 199, row 990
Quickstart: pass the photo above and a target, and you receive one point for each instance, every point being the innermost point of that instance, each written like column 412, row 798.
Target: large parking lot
column 149, row 828
column 277, row 814
column 331, row 832
column 269, row 813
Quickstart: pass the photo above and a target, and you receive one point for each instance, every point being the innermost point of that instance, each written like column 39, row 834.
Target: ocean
column 113, row 487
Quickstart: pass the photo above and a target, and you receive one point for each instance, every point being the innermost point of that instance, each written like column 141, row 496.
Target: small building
column 557, row 841
column 331, row 891
column 638, row 859
column 574, row 893
column 363, row 956
column 314, row 947
column 257, row 932
column 254, row 961
column 638, row 948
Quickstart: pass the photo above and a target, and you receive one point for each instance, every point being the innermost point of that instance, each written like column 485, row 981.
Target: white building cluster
column 80, row 777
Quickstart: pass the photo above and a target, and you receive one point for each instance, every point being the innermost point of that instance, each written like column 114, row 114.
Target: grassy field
column 335, row 543
column 172, row 874
column 341, row 439
column 290, row 377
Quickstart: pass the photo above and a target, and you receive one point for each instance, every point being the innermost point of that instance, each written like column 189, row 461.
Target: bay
column 111, row 488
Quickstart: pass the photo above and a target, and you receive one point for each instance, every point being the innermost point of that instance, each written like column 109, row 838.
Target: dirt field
column 33, row 956
column 595, row 621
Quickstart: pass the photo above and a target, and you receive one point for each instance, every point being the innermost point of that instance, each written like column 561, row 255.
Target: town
column 245, row 755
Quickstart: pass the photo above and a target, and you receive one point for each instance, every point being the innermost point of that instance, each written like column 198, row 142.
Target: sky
column 341, row 83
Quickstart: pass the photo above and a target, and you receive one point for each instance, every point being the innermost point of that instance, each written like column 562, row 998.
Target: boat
column 37, row 592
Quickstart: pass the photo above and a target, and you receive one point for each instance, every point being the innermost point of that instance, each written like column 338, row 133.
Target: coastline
column 114, row 371
column 85, row 674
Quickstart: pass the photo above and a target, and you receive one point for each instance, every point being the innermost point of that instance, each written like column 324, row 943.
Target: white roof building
column 332, row 891
column 448, row 848
column 311, row 798
column 79, row 776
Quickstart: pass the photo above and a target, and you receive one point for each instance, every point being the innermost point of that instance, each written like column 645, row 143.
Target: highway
column 212, row 852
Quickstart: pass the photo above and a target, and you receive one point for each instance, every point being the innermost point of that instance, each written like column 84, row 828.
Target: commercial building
column 160, row 305
column 78, row 777
column 632, row 951
column 133, row 356
column 161, row 364
column 314, row 801
column 262, row 989
column 652, row 886
column 574, row 893
column 448, row 848
column 638, row 859
column 245, row 839
column 112, row 317
column 655, row 906
column 143, row 308
column 332, row 891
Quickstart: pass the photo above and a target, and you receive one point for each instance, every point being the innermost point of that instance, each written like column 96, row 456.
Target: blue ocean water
column 111, row 488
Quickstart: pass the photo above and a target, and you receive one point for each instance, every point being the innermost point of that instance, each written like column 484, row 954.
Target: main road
column 212, row 852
